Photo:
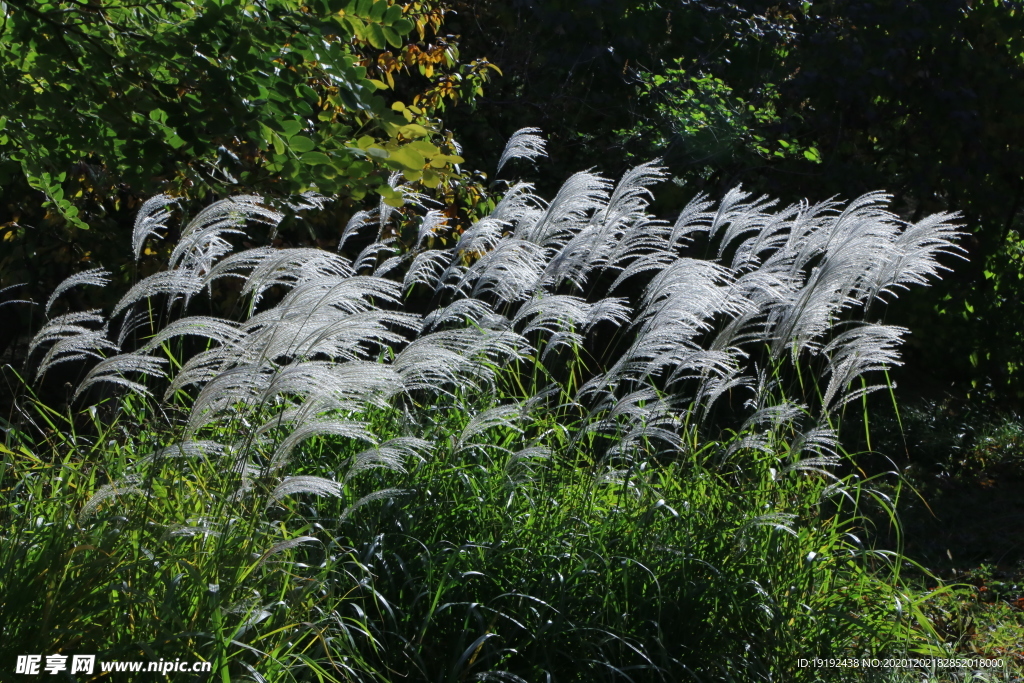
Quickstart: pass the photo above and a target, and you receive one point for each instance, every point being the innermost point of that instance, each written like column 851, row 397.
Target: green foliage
column 696, row 122
column 493, row 555
column 106, row 104
column 204, row 93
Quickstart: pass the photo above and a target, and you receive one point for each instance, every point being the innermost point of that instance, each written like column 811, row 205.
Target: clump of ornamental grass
column 593, row 457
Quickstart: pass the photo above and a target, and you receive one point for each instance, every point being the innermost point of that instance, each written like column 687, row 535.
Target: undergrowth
column 528, row 479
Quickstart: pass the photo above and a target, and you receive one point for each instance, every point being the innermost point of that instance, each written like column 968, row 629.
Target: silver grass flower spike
column 291, row 486
column 289, row 268
column 201, row 242
column 128, row 486
column 6, row 302
column 864, row 348
column 97, row 277
column 358, row 221
column 389, row 455
column 113, row 370
column 67, row 325
column 350, row 430
column 72, row 339
column 172, row 282
column 525, row 143
column 150, row 220
column 376, row 495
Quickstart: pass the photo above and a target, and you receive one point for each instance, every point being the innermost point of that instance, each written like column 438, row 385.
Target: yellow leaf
column 413, row 130
column 425, row 148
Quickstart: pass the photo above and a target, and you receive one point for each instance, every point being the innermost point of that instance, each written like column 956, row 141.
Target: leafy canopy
column 205, row 94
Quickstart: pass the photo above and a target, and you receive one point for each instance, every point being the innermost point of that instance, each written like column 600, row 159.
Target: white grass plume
column 504, row 416
column 318, row 486
column 458, row 358
column 427, row 267
column 172, row 282
column 127, row 486
column 358, row 221
column 376, row 495
column 6, row 302
column 861, row 349
column 460, row 311
column 350, row 430
column 390, row 455
column 510, row 272
column 150, row 220
column 97, row 277
column 217, row 330
column 202, row 241
column 199, row 449
column 291, row 267
column 429, row 225
column 72, row 339
column 113, row 370
column 525, row 143
column 278, row 547
column 67, row 325
column 569, row 211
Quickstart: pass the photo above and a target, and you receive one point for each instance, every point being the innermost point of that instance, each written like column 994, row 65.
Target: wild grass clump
column 586, row 455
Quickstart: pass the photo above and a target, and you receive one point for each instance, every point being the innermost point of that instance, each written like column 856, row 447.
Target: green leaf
column 812, row 155
column 313, row 158
column 403, row 26
column 390, row 35
column 408, row 157
column 431, row 178
column 393, row 14
column 378, row 10
column 374, row 34
column 278, row 143
column 300, row 143
column 306, row 92
column 289, row 127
